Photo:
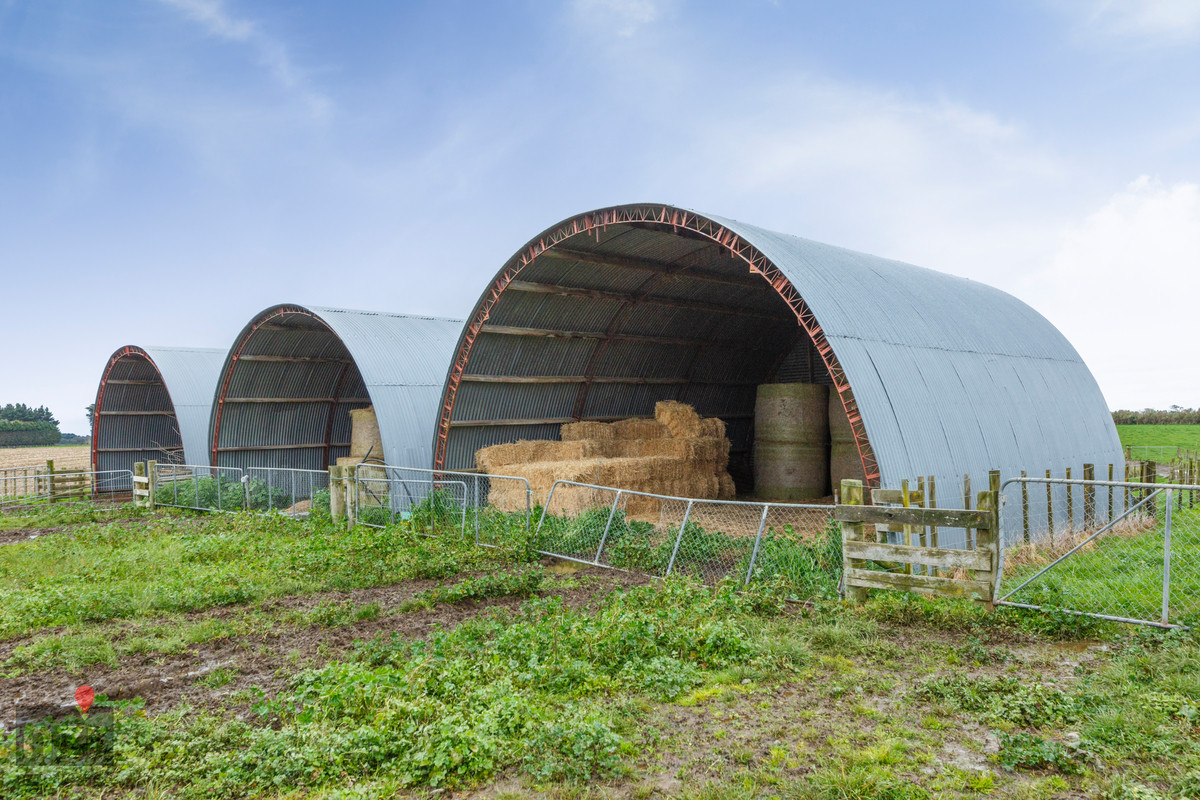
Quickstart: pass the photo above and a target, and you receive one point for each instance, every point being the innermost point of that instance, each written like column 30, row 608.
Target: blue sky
column 170, row 167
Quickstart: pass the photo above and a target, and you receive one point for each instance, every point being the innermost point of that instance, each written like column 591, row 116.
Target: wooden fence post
column 1050, row 507
column 852, row 495
column 989, row 539
column 152, row 483
column 933, row 531
column 1110, row 495
column 337, row 493
column 1025, row 507
column 351, row 489
column 1150, row 475
column 50, row 479
column 1089, row 497
column 1070, row 503
column 139, row 471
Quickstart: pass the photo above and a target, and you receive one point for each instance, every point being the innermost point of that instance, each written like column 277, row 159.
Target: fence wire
column 710, row 540
column 1126, row 551
column 292, row 492
column 493, row 510
column 200, row 488
column 78, row 486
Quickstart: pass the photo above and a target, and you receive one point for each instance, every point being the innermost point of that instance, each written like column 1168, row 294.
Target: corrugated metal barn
column 154, row 403
column 295, row 372
column 604, row 314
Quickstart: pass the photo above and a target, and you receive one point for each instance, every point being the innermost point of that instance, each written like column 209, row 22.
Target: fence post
column 1070, row 503
column 139, row 471
column 1089, row 497
column 757, row 538
column 988, row 540
column 1050, row 507
column 1110, row 494
column 152, row 483
column 350, row 482
column 933, row 531
column 679, row 540
column 1166, row 590
column 1025, row 506
column 337, row 493
column 1150, row 475
column 50, row 479
column 852, row 495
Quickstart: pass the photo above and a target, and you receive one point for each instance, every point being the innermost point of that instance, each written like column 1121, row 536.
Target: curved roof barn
column 605, row 313
column 295, row 372
column 154, row 403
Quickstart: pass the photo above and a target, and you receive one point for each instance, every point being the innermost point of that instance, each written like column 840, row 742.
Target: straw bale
column 640, row 429
column 727, row 489
column 712, row 427
column 364, row 433
column 525, row 452
column 578, row 431
column 680, row 419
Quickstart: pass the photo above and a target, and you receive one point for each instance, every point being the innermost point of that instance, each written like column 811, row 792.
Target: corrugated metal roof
column 395, row 362
column 170, row 380
column 951, row 376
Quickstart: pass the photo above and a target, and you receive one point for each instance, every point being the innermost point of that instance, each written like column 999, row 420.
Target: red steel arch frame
column 596, row 222
column 128, row 350
column 235, row 354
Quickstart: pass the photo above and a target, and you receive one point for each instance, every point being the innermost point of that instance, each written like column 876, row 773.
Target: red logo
column 85, row 696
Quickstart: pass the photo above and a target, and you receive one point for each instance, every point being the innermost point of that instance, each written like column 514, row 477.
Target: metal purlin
column 593, row 224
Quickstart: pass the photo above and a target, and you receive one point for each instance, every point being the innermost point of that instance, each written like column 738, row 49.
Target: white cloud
column 1122, row 288
column 1137, row 21
column 623, row 17
column 212, row 16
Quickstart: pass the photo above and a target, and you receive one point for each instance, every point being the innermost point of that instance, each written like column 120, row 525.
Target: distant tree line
column 25, row 426
column 1175, row 415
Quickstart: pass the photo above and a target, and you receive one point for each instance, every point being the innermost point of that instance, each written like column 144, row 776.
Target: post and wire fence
column 710, row 540
column 1122, row 550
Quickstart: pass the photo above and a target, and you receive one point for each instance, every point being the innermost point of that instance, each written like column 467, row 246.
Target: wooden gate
column 870, row 561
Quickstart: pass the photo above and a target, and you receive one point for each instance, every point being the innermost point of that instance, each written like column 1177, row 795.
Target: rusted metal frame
column 592, row 224
column 98, row 412
column 234, row 357
column 663, row 268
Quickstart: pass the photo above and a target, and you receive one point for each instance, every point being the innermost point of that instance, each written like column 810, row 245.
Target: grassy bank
column 1187, row 436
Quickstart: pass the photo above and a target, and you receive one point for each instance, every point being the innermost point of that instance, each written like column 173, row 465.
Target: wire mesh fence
column 200, row 488
column 494, row 510
column 21, row 482
column 710, row 540
column 1121, row 550
column 292, row 492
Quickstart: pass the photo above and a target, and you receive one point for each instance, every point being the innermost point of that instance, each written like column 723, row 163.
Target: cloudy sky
column 170, row 167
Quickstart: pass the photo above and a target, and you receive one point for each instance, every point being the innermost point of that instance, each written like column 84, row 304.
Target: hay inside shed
column 677, row 453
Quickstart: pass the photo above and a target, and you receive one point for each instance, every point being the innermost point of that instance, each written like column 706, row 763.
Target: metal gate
column 1128, row 552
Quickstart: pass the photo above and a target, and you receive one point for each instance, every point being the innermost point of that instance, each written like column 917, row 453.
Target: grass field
column 1160, row 435
column 73, row 457
column 245, row 655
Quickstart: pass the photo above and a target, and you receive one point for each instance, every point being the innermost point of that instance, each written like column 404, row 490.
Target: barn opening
column 604, row 316
column 153, row 403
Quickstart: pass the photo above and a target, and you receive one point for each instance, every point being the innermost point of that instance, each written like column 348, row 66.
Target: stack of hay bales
column 677, row 453
column 366, row 447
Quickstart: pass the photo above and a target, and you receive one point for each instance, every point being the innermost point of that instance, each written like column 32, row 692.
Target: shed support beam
column 659, row 267
column 297, row 400
column 136, row 413
column 296, row 359
column 315, row 446
column 495, row 423
column 632, row 381
column 511, row 330
column 620, row 297
column 121, row 382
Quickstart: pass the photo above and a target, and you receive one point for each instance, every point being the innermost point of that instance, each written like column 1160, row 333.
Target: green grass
column 1187, row 436
column 1121, row 574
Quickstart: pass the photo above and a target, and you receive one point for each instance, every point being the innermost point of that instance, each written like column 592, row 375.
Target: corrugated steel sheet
column 178, row 380
column 952, row 376
column 394, row 362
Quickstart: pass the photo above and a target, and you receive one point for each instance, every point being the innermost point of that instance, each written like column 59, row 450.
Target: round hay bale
column 791, row 441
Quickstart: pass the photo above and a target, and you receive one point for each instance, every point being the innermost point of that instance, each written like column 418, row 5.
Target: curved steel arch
column 187, row 377
column 938, row 375
column 391, row 361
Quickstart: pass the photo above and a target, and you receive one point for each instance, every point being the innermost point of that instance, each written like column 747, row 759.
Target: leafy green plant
column 1028, row 751
column 574, row 749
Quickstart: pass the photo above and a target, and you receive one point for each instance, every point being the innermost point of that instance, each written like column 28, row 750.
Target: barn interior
column 602, row 326
column 134, row 418
column 286, row 395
